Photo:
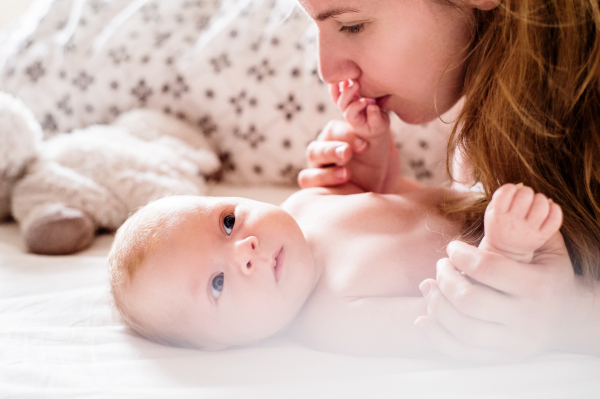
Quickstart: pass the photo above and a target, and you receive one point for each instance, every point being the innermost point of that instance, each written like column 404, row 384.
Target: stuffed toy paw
column 20, row 137
column 94, row 178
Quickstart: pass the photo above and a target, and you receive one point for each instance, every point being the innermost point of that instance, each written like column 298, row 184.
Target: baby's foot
column 518, row 222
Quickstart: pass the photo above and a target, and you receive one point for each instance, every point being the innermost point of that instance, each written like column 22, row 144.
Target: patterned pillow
column 243, row 71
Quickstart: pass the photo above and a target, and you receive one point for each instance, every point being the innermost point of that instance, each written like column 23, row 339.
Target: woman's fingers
column 491, row 269
column 465, row 328
column 471, row 298
column 323, row 177
column 473, row 331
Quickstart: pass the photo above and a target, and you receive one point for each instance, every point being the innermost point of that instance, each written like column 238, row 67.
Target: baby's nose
column 246, row 254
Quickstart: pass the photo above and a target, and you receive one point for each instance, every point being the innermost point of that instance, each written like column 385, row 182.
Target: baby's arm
column 373, row 326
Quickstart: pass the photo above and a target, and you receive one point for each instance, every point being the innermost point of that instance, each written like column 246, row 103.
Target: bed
column 59, row 337
column 70, row 61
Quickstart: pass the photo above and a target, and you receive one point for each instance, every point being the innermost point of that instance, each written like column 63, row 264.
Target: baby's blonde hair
column 135, row 241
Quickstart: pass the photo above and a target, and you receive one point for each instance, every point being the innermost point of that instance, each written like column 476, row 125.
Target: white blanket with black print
column 244, row 71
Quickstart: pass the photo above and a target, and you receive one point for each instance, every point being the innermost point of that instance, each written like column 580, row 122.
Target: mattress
column 59, row 337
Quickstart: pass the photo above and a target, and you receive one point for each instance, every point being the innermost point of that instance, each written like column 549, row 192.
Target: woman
column 529, row 71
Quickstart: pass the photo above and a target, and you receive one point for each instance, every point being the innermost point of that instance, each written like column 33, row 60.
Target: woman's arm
column 485, row 307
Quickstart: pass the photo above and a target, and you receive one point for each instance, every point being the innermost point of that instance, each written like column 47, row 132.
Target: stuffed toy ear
column 20, row 135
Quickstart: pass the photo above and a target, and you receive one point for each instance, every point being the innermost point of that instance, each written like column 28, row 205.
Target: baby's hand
column 363, row 114
column 373, row 166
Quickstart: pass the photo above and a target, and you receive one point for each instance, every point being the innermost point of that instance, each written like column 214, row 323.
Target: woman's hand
column 485, row 307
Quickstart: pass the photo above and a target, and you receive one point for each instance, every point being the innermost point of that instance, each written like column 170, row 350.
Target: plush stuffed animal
column 62, row 190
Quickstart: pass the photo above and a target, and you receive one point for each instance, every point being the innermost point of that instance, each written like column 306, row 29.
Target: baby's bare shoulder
column 302, row 199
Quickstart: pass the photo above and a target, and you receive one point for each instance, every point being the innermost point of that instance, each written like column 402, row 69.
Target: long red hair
column 532, row 114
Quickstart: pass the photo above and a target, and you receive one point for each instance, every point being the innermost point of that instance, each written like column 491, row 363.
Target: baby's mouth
column 278, row 268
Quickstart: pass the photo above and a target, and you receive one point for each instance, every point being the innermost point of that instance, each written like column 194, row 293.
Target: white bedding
column 58, row 338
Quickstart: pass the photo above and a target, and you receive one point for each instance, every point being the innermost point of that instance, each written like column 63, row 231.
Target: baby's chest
column 379, row 249
column 378, row 265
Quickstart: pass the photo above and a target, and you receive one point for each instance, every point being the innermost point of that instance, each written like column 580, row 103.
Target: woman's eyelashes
column 216, row 285
column 228, row 222
column 353, row 29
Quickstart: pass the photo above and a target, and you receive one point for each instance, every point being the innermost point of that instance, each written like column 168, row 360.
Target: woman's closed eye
column 353, row 29
column 216, row 285
column 228, row 222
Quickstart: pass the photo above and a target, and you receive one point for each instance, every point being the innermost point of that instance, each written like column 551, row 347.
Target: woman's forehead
column 320, row 10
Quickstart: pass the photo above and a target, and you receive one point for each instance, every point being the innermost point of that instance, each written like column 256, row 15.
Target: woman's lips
column 382, row 102
column 279, row 262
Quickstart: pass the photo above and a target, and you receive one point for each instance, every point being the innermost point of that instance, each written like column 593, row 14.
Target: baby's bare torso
column 370, row 245
column 373, row 245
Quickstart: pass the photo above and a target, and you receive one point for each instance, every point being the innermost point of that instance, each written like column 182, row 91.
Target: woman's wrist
column 581, row 332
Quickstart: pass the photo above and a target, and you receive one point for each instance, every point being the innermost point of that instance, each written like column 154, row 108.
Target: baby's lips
column 371, row 101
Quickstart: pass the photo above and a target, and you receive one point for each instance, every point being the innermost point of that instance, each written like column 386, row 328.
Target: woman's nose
column 246, row 252
column 335, row 62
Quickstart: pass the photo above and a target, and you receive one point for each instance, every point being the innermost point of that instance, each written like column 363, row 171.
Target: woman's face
column 407, row 54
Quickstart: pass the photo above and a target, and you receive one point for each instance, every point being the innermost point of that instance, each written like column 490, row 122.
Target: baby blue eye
column 228, row 223
column 216, row 285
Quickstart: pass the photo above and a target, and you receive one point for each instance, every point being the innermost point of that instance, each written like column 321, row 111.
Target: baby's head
column 210, row 272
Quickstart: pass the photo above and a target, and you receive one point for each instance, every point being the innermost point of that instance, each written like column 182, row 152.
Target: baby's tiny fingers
column 323, row 177
column 321, row 153
column 378, row 120
column 355, row 116
column 348, row 96
column 554, row 219
column 334, row 92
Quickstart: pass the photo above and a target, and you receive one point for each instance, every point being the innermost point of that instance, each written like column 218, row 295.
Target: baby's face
column 234, row 270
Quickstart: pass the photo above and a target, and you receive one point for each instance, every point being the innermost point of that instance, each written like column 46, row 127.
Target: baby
column 336, row 268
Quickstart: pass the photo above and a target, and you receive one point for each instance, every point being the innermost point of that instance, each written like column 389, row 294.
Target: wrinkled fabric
column 244, row 71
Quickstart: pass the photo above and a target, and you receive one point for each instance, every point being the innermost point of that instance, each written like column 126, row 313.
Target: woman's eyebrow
column 334, row 13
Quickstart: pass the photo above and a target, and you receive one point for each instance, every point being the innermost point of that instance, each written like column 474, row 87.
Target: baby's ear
column 484, row 5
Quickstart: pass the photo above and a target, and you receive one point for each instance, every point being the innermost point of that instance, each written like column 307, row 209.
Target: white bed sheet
column 58, row 338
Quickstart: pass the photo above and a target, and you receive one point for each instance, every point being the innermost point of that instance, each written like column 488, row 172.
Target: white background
column 10, row 10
